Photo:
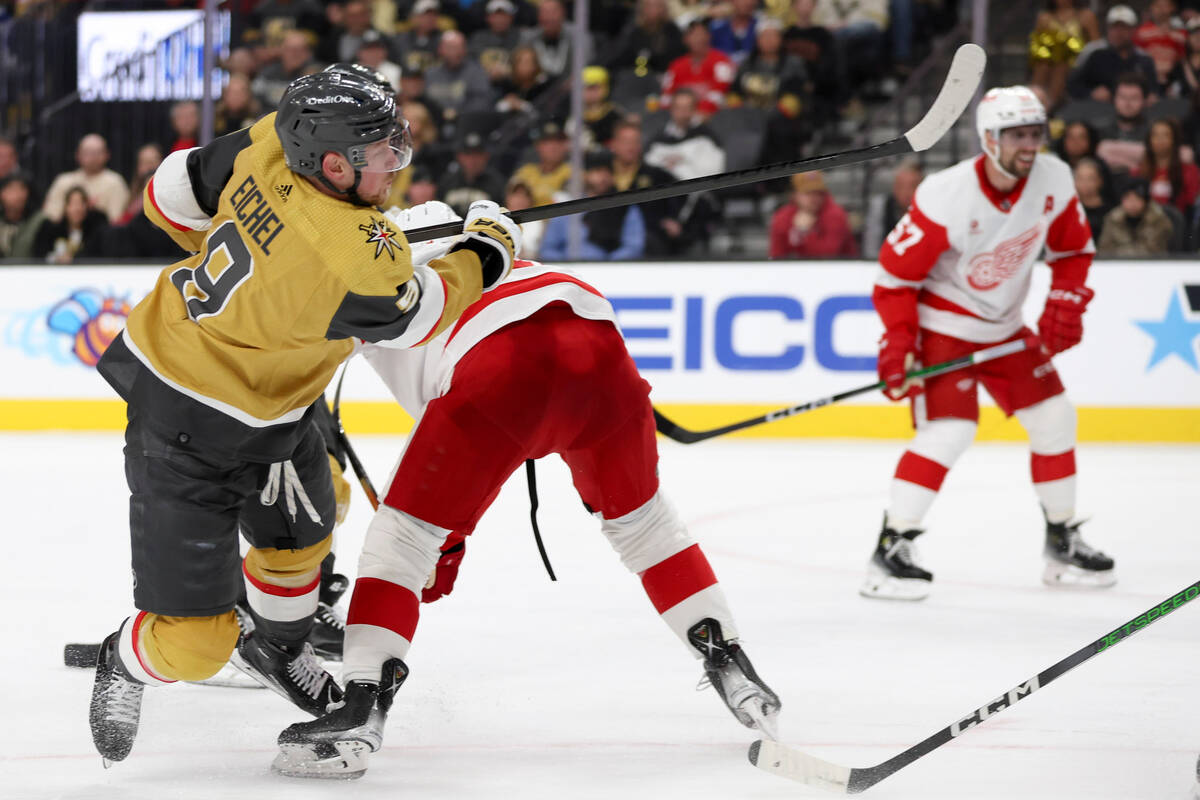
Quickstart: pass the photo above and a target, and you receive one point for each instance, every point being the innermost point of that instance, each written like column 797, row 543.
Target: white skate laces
column 123, row 701
column 307, row 673
column 285, row 472
column 904, row 551
column 331, row 616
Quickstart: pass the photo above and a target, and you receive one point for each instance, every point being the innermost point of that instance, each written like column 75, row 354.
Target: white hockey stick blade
column 782, row 760
column 966, row 70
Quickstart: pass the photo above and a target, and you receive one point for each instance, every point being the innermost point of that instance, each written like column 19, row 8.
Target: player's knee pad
column 648, row 534
column 1050, row 425
column 287, row 568
column 943, row 440
column 401, row 549
column 188, row 648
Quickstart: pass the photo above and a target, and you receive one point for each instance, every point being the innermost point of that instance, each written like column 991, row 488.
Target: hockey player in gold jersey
column 222, row 363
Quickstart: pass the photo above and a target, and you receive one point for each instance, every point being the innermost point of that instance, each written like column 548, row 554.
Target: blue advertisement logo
column 1175, row 334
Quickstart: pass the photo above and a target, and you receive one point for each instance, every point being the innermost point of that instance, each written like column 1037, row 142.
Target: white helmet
column 1006, row 107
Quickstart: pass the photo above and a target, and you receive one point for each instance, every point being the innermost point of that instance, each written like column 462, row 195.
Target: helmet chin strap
column 350, row 194
column 995, row 157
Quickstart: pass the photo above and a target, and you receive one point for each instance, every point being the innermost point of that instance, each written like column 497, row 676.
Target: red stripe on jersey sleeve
column 512, row 288
column 438, row 324
column 1070, row 234
column 897, row 308
column 913, row 246
column 163, row 214
column 385, row 605
column 673, row 580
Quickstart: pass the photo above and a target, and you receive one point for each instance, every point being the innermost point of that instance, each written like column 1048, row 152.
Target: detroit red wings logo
column 989, row 270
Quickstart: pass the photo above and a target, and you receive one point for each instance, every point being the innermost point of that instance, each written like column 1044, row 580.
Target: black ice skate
column 730, row 672
column 116, row 704
column 337, row 744
column 1070, row 561
column 293, row 673
column 893, row 572
column 329, row 625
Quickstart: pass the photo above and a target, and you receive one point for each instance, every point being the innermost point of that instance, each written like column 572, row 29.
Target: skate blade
column 766, row 723
column 1069, row 576
column 302, row 761
column 893, row 588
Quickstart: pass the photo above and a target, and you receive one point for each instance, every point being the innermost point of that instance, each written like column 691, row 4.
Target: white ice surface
column 522, row 688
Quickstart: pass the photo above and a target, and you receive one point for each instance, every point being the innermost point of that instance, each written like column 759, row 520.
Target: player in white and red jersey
column 537, row 367
column 955, row 273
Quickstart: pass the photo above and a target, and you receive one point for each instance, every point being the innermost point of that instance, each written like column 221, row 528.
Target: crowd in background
column 674, row 89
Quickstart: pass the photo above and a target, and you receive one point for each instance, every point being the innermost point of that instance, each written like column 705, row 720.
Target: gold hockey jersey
column 284, row 279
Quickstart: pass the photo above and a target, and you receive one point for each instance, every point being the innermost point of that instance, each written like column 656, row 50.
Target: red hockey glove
column 897, row 352
column 1061, row 325
column 441, row 580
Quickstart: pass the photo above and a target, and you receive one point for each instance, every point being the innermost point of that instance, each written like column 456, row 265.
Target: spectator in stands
column 241, row 61
column 428, row 148
column 1165, row 43
column 1089, row 185
column 20, row 217
column 149, row 156
column 552, row 39
column 1121, row 144
column 815, row 46
column 295, row 59
column 735, row 35
column 1173, row 181
column 707, row 73
column 418, row 45
column 649, row 42
column 107, row 190
column 547, row 176
column 1079, row 141
column 664, row 230
column 777, row 82
column 469, row 178
column 600, row 115
column 686, row 147
column 373, row 52
column 613, row 234
column 268, row 24
column 1096, row 72
column 412, row 89
column 518, row 196
column 456, row 83
column 1136, row 227
column 345, row 40
column 185, row 125
column 858, row 30
column 493, row 45
column 79, row 234
column 421, row 188
column 1062, row 30
column 528, row 90
column 8, row 158
column 812, row 224
column 885, row 210
column 238, row 107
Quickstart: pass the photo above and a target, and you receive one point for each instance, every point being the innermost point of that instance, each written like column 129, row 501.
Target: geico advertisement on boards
column 772, row 333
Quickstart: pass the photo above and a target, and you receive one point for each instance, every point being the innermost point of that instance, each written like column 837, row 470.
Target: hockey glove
column 441, row 580
column 434, row 212
column 897, row 353
column 492, row 236
column 1061, row 325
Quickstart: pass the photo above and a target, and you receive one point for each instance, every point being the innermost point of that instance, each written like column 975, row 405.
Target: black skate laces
column 307, row 673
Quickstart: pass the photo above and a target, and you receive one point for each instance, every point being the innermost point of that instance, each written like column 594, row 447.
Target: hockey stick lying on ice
column 790, row 763
column 966, row 70
column 678, row 433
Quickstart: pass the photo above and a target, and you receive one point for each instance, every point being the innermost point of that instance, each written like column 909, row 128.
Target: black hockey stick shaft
column 961, row 82
column 678, row 433
column 780, row 759
column 359, row 471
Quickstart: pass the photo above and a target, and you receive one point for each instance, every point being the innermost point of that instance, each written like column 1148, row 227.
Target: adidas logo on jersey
column 283, row 190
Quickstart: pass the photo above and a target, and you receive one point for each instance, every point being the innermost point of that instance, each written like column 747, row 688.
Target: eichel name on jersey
column 235, row 343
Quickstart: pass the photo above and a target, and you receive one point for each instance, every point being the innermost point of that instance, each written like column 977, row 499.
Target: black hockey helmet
column 341, row 113
column 362, row 70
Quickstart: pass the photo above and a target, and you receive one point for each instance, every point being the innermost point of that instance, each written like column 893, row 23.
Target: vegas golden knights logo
column 383, row 237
